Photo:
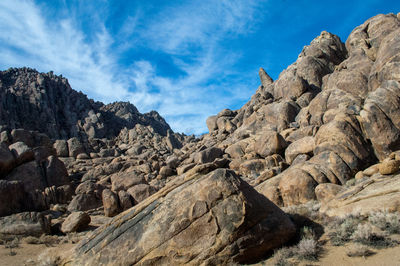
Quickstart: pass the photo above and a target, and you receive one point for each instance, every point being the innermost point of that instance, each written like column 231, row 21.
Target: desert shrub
column 49, row 240
column 31, row 240
column 307, row 232
column 359, row 251
column 4, row 238
column 309, row 210
column 389, row 222
column 308, row 249
column 282, row 256
column 12, row 245
column 73, row 238
column 342, row 229
column 47, row 258
column 365, row 234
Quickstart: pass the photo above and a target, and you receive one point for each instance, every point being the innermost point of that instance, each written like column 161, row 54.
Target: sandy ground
column 27, row 254
column 336, row 256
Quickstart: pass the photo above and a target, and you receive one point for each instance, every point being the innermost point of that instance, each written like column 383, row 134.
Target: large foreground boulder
column 212, row 219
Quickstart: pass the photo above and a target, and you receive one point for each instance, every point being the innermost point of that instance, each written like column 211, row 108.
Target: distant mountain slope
column 47, row 103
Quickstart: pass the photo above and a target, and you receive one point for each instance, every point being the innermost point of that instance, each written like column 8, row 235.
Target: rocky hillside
column 326, row 132
column 46, row 103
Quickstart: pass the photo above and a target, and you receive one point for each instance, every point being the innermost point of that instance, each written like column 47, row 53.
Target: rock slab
column 212, row 219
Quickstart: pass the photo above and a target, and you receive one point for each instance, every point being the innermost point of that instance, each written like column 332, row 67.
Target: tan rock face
column 212, row 219
column 389, row 167
column 301, row 146
column 110, row 203
column 269, row 143
column 376, row 194
column 327, row 191
column 76, row 221
column 297, row 187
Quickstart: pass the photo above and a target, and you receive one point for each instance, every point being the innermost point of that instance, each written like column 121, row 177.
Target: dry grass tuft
column 309, row 210
column 365, row 234
column 358, row 250
column 342, row 229
column 389, row 222
column 307, row 249
column 48, row 258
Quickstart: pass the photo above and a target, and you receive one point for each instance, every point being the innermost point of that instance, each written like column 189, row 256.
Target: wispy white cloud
column 190, row 33
column 30, row 39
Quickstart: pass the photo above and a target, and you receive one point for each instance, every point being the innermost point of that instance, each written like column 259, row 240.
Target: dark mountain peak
column 46, row 103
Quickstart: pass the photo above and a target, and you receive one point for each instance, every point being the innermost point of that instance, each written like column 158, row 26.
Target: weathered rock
column 23, row 135
column 270, row 189
column 208, row 155
column 266, row 80
column 125, row 180
column 236, row 150
column 75, row 147
column 302, row 146
column 172, row 141
column 141, row 192
column 388, row 167
column 373, row 169
column 374, row 194
column 56, row 173
column 184, row 168
column 327, row 191
column 25, row 224
column 12, row 196
column 85, row 202
column 110, row 203
column 124, row 200
column 269, row 143
column 136, row 150
column 196, row 219
column 212, row 123
column 172, row 161
column 61, row 148
column 22, row 152
column 88, row 196
column 75, row 222
column 46, row 103
column 30, row 174
column 83, row 156
column 380, row 118
column 5, row 137
column 7, row 160
column 296, row 187
column 41, row 153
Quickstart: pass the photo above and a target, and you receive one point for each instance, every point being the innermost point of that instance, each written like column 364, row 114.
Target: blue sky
column 186, row 59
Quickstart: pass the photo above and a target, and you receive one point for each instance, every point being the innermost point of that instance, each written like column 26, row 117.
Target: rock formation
column 212, row 219
column 46, row 103
column 328, row 129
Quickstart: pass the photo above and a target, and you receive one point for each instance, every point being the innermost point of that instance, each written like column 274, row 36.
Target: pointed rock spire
column 264, row 77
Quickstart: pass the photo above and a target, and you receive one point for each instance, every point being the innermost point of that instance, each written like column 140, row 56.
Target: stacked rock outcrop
column 327, row 129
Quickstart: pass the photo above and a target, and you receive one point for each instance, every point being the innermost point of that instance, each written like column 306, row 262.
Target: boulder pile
column 328, row 129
